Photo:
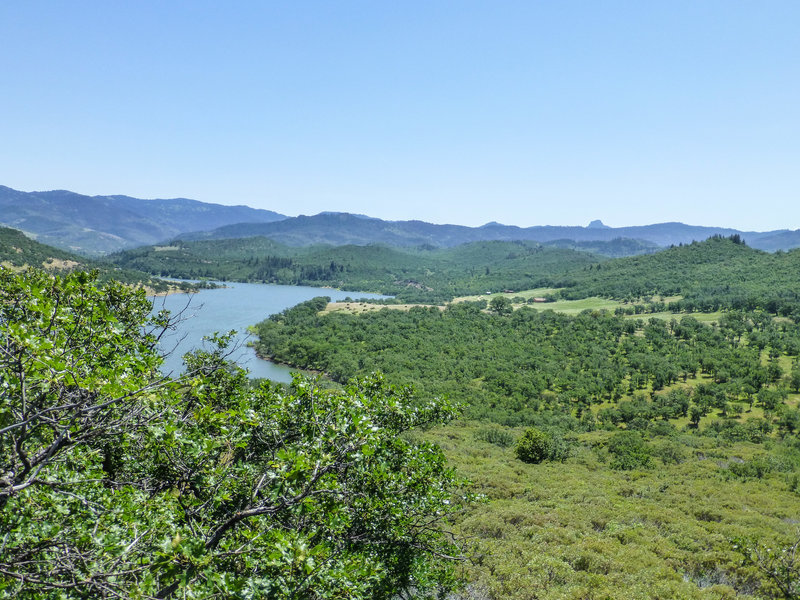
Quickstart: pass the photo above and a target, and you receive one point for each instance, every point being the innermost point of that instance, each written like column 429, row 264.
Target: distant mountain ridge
column 342, row 228
column 96, row 225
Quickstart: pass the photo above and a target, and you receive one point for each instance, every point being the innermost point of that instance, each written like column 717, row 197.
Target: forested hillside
column 716, row 273
column 719, row 272
column 615, row 248
column 19, row 251
column 16, row 249
column 413, row 274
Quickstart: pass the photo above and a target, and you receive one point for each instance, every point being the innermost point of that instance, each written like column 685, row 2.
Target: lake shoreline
column 237, row 306
column 223, row 284
column 295, row 368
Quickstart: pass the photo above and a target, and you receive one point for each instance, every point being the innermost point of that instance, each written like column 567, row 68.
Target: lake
column 236, row 306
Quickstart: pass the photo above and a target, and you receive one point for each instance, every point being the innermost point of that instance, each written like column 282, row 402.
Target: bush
column 671, row 453
column 536, row 446
column 496, row 436
column 733, row 431
column 662, row 428
column 629, row 451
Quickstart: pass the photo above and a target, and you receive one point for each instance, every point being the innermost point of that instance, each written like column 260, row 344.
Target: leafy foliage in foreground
column 117, row 482
column 780, row 566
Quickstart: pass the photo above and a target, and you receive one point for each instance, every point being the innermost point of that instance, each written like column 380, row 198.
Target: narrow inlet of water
column 234, row 307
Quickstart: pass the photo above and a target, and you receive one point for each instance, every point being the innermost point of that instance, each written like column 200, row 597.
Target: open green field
column 703, row 317
column 573, row 307
column 569, row 307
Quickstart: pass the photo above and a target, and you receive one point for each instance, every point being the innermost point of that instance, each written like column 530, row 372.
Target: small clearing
column 536, row 293
column 362, row 307
column 58, row 263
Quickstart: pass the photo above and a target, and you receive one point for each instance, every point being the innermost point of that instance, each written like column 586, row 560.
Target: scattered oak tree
column 500, row 305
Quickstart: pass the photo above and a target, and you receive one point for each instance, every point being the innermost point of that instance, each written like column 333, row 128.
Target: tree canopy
column 118, row 482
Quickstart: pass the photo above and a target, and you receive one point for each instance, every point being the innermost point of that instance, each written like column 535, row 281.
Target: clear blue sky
column 522, row 112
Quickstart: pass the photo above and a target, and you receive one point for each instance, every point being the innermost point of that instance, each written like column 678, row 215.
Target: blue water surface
column 236, row 306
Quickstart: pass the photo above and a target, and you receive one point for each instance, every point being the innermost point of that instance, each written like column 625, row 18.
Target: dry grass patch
column 535, row 293
column 355, row 308
column 60, row 264
column 710, row 317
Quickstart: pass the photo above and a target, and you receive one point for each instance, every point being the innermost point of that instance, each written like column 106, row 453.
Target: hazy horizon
column 521, row 225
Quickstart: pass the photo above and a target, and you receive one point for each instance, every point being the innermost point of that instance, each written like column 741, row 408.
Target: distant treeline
column 720, row 273
column 422, row 274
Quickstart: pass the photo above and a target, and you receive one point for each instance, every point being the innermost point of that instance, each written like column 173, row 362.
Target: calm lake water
column 236, row 306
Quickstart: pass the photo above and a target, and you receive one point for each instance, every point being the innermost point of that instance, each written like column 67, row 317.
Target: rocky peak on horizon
column 597, row 224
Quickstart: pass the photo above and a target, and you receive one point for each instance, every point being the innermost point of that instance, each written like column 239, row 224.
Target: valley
column 666, row 386
column 400, row 300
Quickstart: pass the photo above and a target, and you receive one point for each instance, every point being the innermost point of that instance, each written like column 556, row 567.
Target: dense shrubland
column 676, row 526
